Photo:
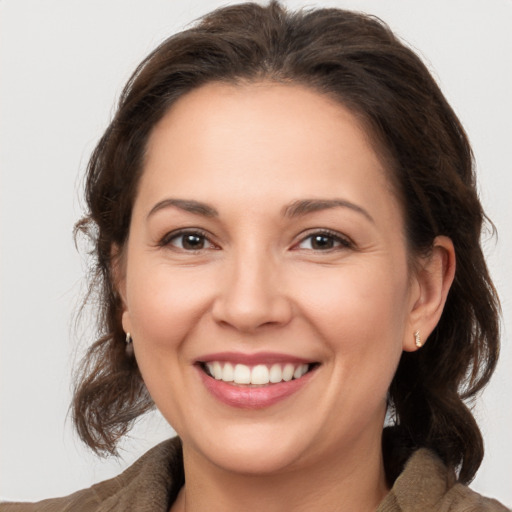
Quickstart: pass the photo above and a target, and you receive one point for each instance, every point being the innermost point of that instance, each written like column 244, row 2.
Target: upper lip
column 252, row 359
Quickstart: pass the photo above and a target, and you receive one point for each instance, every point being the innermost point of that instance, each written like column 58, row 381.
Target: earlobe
column 126, row 322
column 434, row 278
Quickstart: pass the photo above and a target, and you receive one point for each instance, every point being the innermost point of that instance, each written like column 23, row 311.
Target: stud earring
column 129, row 345
column 417, row 339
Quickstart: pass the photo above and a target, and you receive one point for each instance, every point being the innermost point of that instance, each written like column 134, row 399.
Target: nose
column 251, row 294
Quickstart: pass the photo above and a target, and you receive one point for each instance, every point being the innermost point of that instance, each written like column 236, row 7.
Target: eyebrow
column 188, row 205
column 305, row 206
column 295, row 209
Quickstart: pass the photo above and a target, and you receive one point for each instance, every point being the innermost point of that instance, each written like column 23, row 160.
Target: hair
column 357, row 60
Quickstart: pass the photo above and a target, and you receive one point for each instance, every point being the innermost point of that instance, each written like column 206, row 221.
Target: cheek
column 165, row 306
column 358, row 298
column 165, row 303
column 360, row 313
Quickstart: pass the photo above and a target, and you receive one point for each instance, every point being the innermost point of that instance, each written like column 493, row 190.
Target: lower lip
column 252, row 397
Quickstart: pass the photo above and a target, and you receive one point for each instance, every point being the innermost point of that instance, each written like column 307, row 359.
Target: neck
column 348, row 481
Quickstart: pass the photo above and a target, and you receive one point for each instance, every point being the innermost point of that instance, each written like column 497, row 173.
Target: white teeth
column 228, row 373
column 257, row 375
column 276, row 374
column 300, row 371
column 217, row 370
column 242, row 374
column 288, row 371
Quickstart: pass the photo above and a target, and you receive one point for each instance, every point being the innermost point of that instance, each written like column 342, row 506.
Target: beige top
column 152, row 483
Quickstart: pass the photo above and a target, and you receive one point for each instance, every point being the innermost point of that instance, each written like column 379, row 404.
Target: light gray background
column 63, row 63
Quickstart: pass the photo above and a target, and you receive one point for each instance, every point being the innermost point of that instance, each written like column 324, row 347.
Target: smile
column 258, row 375
column 254, row 381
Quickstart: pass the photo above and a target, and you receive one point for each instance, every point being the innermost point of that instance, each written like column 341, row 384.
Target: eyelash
column 344, row 242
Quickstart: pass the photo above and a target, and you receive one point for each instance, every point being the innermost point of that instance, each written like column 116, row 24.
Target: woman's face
column 266, row 242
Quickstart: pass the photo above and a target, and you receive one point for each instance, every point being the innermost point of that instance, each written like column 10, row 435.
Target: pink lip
column 252, row 359
column 252, row 397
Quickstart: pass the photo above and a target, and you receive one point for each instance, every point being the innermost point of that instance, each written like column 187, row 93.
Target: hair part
column 355, row 59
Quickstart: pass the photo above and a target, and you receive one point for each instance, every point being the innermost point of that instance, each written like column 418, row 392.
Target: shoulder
column 150, row 484
column 426, row 485
column 81, row 501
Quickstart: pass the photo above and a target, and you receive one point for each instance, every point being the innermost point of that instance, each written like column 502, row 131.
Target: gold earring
column 417, row 339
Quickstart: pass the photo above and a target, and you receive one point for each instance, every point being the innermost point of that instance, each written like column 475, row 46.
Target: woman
column 287, row 239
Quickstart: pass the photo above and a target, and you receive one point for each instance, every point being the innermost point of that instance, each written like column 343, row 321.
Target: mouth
column 256, row 375
column 254, row 381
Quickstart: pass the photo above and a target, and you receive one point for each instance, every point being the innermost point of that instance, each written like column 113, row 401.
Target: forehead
column 262, row 141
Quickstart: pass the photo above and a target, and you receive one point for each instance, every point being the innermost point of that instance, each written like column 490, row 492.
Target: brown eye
column 324, row 242
column 188, row 241
column 192, row 242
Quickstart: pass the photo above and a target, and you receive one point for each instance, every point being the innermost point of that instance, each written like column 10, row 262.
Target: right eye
column 188, row 241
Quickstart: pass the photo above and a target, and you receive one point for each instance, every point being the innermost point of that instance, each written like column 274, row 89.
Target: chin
column 253, row 460
column 252, row 451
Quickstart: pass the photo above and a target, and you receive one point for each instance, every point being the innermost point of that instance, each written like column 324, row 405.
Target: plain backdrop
column 63, row 64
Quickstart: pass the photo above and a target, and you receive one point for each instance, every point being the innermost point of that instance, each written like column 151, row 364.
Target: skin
column 256, row 282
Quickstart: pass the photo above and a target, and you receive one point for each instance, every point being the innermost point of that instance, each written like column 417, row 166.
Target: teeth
column 260, row 374
column 288, row 372
column 242, row 374
column 217, row 370
column 228, row 373
column 276, row 374
column 257, row 375
column 300, row 371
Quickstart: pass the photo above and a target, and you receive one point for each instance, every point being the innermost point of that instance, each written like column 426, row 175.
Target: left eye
column 323, row 242
column 188, row 241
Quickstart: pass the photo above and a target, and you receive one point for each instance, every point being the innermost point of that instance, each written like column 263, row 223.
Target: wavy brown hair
column 357, row 60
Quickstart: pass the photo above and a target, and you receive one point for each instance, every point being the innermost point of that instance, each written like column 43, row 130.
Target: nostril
column 250, row 295
column 248, row 314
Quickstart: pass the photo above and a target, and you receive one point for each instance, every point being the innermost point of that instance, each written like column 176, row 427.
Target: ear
column 433, row 280
column 118, row 273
